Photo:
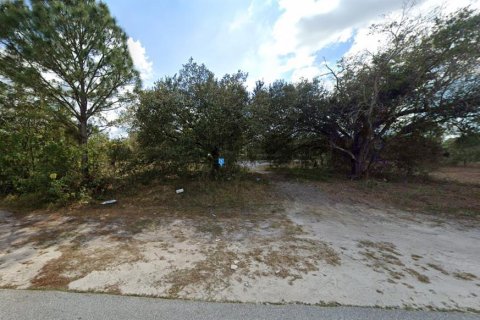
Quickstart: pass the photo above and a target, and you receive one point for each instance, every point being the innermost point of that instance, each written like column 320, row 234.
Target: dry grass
column 293, row 255
column 420, row 277
column 381, row 254
column 201, row 195
column 213, row 208
column 469, row 174
column 213, row 273
column 299, row 256
column 458, row 196
column 387, row 249
column 75, row 263
column 465, row 276
column 416, row 257
column 140, row 225
column 143, row 202
column 290, row 260
column 151, row 206
column 211, row 228
column 383, row 257
column 283, row 254
column 432, row 197
column 438, row 268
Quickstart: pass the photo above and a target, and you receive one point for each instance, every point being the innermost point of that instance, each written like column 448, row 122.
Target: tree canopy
column 193, row 118
column 71, row 53
column 65, row 64
column 425, row 78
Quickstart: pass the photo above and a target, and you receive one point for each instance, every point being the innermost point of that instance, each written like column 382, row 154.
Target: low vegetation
column 454, row 195
column 375, row 115
column 395, row 129
column 438, row 198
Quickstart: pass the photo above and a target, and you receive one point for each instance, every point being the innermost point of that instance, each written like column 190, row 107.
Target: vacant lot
column 261, row 239
column 463, row 174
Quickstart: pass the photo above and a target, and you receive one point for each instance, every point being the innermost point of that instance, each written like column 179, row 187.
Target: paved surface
column 39, row 305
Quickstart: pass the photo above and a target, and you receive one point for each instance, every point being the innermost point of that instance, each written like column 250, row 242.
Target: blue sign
column 221, row 162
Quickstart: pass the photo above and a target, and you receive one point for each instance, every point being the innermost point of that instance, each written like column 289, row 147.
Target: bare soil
column 464, row 174
column 265, row 240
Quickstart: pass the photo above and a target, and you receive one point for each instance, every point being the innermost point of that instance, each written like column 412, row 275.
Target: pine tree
column 71, row 53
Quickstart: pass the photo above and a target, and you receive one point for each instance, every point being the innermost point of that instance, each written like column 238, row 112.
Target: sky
column 268, row 39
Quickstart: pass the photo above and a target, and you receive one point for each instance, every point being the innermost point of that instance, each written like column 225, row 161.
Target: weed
column 465, row 276
column 420, row 277
column 438, row 268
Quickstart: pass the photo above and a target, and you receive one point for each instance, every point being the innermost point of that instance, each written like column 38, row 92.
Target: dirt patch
column 443, row 199
column 297, row 258
column 469, row 174
column 210, row 274
column 222, row 266
column 382, row 257
column 213, row 229
column 283, row 255
column 292, row 242
column 76, row 262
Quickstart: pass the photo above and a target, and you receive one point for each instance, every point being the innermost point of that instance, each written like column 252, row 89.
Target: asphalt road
column 39, row 305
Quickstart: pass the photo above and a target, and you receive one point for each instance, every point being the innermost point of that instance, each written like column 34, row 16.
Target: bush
column 464, row 149
column 412, row 154
column 186, row 123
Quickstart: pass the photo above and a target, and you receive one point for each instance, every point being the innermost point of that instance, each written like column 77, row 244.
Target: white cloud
column 364, row 40
column 140, row 59
column 282, row 52
column 304, row 27
column 242, row 18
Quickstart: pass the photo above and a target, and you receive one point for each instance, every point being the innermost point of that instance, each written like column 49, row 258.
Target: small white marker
column 109, row 202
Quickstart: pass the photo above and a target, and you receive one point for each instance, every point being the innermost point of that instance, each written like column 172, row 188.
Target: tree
column 428, row 73
column 465, row 148
column 193, row 118
column 278, row 112
column 419, row 151
column 423, row 82
column 35, row 156
column 72, row 54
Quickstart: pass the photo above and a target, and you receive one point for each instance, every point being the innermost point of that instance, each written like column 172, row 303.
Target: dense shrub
column 189, row 121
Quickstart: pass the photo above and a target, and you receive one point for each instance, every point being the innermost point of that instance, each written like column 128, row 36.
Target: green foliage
column 35, row 157
column 413, row 153
column 80, row 46
column 190, row 120
column 465, row 148
column 63, row 64
column 383, row 103
column 277, row 115
column 120, row 154
column 41, row 158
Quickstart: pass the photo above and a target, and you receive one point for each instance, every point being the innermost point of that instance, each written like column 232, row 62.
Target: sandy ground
column 464, row 174
column 309, row 249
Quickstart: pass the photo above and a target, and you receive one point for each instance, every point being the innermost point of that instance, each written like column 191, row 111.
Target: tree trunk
column 215, row 166
column 360, row 164
column 356, row 170
column 84, row 149
column 362, row 153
